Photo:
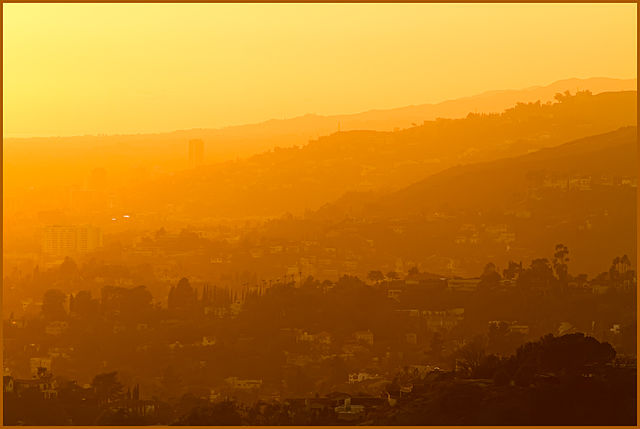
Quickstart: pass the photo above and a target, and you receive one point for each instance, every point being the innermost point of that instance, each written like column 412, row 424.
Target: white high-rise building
column 68, row 240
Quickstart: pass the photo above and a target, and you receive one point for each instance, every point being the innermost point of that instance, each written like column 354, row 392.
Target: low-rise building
column 439, row 320
column 364, row 336
column 347, row 411
column 394, row 294
column 463, row 285
column 243, row 384
column 56, row 328
column 208, row 340
column 359, row 377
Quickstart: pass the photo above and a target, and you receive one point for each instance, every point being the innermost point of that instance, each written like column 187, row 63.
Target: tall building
column 67, row 240
column 196, row 153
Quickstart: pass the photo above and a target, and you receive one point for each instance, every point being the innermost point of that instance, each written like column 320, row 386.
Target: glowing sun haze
column 74, row 69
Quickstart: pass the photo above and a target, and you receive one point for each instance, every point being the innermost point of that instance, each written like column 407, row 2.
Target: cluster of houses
column 43, row 383
column 586, row 183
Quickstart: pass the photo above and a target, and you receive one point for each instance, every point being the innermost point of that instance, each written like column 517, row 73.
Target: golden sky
column 74, row 69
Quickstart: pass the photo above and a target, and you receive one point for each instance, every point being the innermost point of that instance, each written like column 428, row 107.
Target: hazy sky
column 125, row 68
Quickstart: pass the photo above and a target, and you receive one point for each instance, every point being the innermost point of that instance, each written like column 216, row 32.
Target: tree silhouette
column 512, row 271
column 375, row 276
column 436, row 345
column 183, row 298
column 68, row 269
column 571, row 353
column 538, row 276
column 471, row 355
column 107, row 388
column 221, row 414
column 490, row 277
column 53, row 303
column 83, row 305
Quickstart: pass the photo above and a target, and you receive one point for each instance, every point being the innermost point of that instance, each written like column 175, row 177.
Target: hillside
column 494, row 185
column 582, row 194
column 305, row 178
column 71, row 159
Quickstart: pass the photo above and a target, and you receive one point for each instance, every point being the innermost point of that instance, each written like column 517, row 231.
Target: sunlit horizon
column 140, row 69
column 266, row 119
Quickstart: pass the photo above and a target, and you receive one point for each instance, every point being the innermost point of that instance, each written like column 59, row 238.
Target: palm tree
column 614, row 271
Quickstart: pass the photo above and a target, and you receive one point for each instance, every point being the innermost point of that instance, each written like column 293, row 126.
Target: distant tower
column 196, row 153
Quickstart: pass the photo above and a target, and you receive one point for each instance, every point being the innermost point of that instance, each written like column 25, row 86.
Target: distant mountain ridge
column 305, row 178
column 485, row 185
column 487, row 102
column 582, row 193
column 165, row 152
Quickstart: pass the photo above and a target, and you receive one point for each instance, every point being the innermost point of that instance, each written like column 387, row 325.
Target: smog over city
column 319, row 214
